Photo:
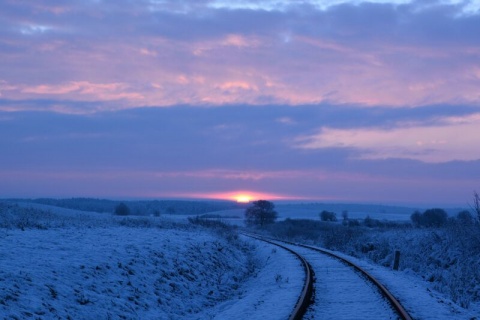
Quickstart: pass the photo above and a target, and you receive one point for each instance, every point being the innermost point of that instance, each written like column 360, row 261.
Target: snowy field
column 312, row 211
column 60, row 263
column 355, row 211
column 71, row 265
column 236, row 216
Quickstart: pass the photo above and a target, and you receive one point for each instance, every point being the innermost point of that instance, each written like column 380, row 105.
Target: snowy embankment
column 416, row 295
column 79, row 267
column 116, row 272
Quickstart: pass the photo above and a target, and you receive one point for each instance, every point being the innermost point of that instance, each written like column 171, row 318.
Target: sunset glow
column 240, row 196
column 243, row 198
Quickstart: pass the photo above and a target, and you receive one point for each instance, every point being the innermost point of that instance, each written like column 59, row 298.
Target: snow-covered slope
column 117, row 272
column 60, row 264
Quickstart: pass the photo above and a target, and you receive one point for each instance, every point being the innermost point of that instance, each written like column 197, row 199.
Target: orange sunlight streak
column 242, row 196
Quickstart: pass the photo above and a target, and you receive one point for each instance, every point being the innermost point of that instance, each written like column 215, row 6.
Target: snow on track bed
column 271, row 293
column 305, row 296
column 416, row 295
column 340, row 292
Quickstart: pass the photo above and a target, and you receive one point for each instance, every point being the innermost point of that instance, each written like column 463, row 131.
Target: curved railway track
column 318, row 258
column 305, row 297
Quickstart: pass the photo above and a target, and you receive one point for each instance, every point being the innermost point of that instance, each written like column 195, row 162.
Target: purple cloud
column 147, row 53
column 190, row 150
column 149, row 98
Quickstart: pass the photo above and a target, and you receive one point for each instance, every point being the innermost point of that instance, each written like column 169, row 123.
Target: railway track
column 342, row 289
column 305, row 298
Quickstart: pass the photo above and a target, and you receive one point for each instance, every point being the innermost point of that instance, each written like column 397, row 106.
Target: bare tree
column 260, row 213
column 345, row 217
column 476, row 205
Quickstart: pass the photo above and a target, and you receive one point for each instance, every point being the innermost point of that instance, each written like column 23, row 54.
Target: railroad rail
column 305, row 297
column 394, row 303
column 384, row 291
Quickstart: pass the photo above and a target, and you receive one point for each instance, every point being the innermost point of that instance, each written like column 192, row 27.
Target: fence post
column 396, row 262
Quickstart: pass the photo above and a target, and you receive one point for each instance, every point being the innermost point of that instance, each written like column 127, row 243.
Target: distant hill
column 143, row 207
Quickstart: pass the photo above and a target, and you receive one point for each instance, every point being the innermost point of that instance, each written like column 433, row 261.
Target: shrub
column 435, row 217
column 371, row 223
column 353, row 223
column 416, row 218
column 465, row 218
column 328, row 216
column 430, row 218
column 122, row 210
column 16, row 217
column 136, row 223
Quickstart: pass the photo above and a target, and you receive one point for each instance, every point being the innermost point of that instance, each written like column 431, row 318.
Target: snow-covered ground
column 236, row 216
column 70, row 265
column 271, row 293
column 416, row 295
column 67, row 264
column 116, row 272
column 355, row 211
column 340, row 293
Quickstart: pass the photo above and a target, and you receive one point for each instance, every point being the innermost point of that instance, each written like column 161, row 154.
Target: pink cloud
column 454, row 139
column 236, row 41
column 236, row 85
column 75, row 90
column 295, row 60
column 232, row 174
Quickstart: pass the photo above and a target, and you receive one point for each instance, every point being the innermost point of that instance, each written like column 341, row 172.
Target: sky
column 355, row 101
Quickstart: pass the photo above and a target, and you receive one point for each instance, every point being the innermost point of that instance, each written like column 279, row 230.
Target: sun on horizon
column 249, row 196
column 243, row 198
